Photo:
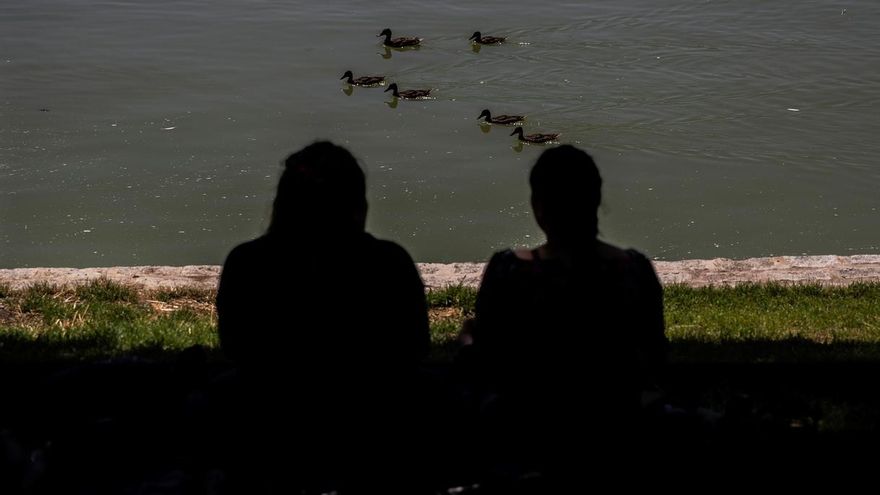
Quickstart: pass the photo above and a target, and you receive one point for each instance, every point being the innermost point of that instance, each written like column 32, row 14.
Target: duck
column 486, row 40
column 501, row 119
column 409, row 94
column 363, row 80
column 534, row 138
column 401, row 42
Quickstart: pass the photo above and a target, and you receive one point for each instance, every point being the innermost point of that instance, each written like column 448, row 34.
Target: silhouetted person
column 566, row 334
column 326, row 323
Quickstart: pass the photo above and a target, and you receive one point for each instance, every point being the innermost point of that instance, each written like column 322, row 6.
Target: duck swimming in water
column 534, row 138
column 363, row 80
column 409, row 94
column 501, row 119
column 486, row 40
column 401, row 42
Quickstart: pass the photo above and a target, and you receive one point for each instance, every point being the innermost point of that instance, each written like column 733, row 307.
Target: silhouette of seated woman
column 326, row 323
column 566, row 334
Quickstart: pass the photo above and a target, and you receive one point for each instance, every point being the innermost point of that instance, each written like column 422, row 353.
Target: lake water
column 151, row 132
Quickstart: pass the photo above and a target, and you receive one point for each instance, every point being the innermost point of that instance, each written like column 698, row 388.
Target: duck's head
column 385, row 32
column 347, row 75
column 485, row 113
column 518, row 130
column 475, row 36
column 391, row 87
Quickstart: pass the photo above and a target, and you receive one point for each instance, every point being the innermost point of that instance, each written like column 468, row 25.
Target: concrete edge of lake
column 824, row 270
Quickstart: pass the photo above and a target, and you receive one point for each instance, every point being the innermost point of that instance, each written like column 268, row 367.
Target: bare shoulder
column 524, row 254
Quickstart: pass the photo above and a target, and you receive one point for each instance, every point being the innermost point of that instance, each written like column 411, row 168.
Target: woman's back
column 546, row 322
column 358, row 304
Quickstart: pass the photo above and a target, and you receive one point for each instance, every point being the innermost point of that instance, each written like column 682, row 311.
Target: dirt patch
column 6, row 316
column 445, row 313
column 193, row 305
column 11, row 316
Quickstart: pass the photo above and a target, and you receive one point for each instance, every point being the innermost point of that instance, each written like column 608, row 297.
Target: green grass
column 744, row 324
column 106, row 291
column 448, row 308
column 774, row 323
column 100, row 319
column 457, row 296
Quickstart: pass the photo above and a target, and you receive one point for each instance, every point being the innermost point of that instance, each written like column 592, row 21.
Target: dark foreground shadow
column 134, row 425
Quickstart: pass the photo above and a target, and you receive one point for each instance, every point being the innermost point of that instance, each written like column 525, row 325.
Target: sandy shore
column 829, row 270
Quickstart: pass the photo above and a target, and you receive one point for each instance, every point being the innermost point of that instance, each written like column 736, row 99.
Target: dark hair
column 566, row 184
column 322, row 189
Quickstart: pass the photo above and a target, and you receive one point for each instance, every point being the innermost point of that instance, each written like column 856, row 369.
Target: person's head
column 566, row 192
column 321, row 191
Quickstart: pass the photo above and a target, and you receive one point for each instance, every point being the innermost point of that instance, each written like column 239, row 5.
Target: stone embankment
column 826, row 270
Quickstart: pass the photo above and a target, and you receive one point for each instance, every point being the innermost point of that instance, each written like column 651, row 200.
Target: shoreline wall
column 825, row 270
